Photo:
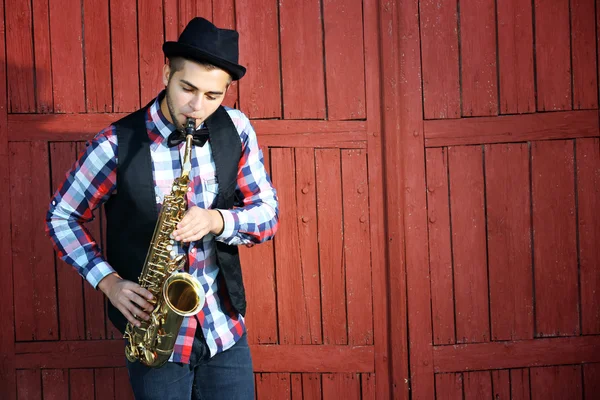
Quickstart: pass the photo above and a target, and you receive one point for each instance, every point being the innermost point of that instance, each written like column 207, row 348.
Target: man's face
column 194, row 91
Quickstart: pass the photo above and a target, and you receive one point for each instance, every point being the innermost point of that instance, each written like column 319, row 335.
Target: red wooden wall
column 438, row 167
column 492, row 120
column 316, row 312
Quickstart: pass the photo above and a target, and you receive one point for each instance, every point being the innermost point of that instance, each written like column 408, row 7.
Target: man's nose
column 197, row 103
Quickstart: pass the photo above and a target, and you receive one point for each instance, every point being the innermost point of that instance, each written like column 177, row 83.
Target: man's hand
column 128, row 297
column 197, row 223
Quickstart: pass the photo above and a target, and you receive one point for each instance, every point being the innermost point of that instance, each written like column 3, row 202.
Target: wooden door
column 496, row 105
column 317, row 316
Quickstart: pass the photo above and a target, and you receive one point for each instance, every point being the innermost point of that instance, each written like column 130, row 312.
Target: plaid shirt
column 93, row 178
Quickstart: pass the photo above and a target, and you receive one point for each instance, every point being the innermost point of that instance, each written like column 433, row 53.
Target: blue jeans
column 227, row 375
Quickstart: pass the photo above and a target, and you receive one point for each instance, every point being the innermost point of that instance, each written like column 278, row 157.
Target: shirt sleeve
column 257, row 219
column 88, row 184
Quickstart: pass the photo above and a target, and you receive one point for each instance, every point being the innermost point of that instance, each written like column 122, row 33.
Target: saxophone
column 176, row 294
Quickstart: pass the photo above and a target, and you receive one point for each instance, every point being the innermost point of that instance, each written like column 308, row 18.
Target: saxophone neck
column 190, row 128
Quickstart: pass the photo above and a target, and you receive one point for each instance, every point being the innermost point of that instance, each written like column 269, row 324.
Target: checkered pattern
column 92, row 179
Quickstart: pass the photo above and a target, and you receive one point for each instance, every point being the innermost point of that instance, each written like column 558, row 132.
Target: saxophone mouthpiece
column 190, row 126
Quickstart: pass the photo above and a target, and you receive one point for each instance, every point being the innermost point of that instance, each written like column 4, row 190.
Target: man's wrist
column 218, row 223
column 106, row 283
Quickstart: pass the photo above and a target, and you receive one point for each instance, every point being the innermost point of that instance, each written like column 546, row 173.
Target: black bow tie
column 177, row 136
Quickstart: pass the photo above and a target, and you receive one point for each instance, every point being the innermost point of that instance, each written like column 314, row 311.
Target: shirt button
column 158, row 199
column 53, row 202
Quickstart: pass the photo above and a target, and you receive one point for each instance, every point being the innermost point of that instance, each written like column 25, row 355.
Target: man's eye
column 211, row 97
column 187, row 89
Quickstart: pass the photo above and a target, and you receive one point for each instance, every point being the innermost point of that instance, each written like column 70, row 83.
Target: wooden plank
column 55, row 384
column 519, row 384
column 377, row 210
column 70, row 291
column 509, row 241
column 553, row 55
column 588, row 225
column 477, row 385
column 19, row 58
column 331, row 239
column 273, row 386
column 357, row 247
column 518, row 128
column 98, row 80
column 306, row 221
column 303, row 80
column 124, row 53
column 556, row 383
column 104, row 383
column 501, row 384
column 224, row 17
column 29, row 384
column 8, row 379
column 67, row 56
column 296, row 386
column 267, row 358
column 294, row 326
column 406, row 235
column 35, row 283
column 259, row 281
column 93, row 300
column 591, row 381
column 311, row 386
column 449, row 387
column 367, row 386
column 467, row 217
column 583, row 53
column 171, row 20
column 554, row 238
column 440, row 63
column 123, row 389
column 259, row 53
column 72, row 127
column 440, row 247
column 346, row 386
column 344, row 63
column 43, row 63
column 478, row 57
column 81, row 383
column 515, row 57
column 518, row 354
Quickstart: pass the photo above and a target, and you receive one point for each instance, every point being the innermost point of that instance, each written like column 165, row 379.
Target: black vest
column 132, row 212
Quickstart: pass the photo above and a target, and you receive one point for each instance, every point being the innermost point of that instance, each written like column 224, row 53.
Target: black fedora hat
column 204, row 42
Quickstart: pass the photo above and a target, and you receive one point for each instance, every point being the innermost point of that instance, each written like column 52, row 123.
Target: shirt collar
column 159, row 127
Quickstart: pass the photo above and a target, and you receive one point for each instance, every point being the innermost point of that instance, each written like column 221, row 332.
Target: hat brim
column 176, row 49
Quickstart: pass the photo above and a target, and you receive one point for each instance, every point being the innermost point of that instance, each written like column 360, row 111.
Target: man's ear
column 166, row 73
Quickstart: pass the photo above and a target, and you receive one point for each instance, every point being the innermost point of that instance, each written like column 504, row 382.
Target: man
column 130, row 167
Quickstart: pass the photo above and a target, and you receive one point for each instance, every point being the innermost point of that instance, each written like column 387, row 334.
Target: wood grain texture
column 44, row 101
column 440, row 59
column 552, row 51
column 508, row 215
column 19, row 58
column 67, row 58
column 467, row 215
column 273, row 386
column 359, row 297
column 507, row 129
column 344, row 63
column 104, row 383
column 517, row 354
column 33, row 260
column 55, row 384
column 588, row 226
column 224, row 17
column 501, row 384
column 519, row 384
column 584, row 68
column 440, row 247
column 591, row 381
column 151, row 38
column 478, row 57
column 81, row 383
column 331, row 240
column 556, row 383
column 29, row 384
column 302, row 70
column 97, row 57
column 477, row 385
column 449, row 387
column 554, row 238
column 515, row 57
column 124, row 56
column 260, row 89
column 346, row 386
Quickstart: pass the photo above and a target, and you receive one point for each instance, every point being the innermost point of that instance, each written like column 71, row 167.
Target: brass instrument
column 176, row 294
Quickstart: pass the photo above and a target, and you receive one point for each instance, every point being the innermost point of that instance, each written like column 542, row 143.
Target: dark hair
column 176, row 64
